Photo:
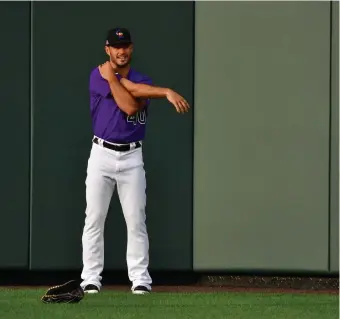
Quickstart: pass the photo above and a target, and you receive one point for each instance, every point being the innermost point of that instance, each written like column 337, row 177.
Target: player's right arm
column 144, row 90
column 104, row 83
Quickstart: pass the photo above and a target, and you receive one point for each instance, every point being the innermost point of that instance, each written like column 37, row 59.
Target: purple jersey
column 108, row 121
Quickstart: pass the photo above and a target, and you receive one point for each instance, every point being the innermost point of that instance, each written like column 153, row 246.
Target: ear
column 107, row 50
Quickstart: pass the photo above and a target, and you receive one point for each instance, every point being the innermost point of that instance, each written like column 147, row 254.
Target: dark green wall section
column 262, row 98
column 15, row 134
column 334, row 168
column 68, row 43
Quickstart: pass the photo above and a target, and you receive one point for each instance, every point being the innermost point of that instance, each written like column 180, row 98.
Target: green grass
column 26, row 304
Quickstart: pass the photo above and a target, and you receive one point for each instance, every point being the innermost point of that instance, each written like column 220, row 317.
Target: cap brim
column 119, row 42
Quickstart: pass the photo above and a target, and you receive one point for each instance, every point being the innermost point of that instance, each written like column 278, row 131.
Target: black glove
column 70, row 292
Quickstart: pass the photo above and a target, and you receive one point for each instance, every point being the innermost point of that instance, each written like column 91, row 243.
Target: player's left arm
column 141, row 101
column 130, row 86
column 146, row 90
column 143, row 89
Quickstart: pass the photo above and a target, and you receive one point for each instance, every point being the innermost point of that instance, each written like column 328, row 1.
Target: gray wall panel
column 261, row 135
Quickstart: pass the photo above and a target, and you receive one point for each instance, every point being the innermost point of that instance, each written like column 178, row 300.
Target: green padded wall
column 261, row 136
column 334, row 176
column 68, row 42
column 15, row 133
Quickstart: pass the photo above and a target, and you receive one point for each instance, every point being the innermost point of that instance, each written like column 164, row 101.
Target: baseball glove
column 69, row 292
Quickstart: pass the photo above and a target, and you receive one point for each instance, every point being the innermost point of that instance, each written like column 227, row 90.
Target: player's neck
column 122, row 71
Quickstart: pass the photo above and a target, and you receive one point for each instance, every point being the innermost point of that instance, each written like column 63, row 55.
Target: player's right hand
column 106, row 71
column 178, row 101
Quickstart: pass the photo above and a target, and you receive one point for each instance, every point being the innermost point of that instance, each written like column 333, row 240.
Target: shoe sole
column 91, row 291
column 141, row 292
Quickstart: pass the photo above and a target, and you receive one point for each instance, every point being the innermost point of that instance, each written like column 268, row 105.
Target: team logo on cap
column 120, row 34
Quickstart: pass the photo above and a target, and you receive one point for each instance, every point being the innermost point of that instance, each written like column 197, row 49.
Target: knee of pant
column 93, row 224
column 137, row 226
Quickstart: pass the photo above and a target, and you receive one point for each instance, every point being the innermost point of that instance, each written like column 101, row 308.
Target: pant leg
column 99, row 190
column 131, row 187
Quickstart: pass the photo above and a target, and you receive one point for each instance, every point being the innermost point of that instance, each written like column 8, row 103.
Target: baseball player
column 119, row 101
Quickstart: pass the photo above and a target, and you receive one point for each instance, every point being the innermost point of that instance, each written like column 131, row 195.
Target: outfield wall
column 255, row 182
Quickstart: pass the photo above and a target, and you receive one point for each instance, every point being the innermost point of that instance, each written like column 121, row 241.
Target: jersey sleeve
column 145, row 80
column 98, row 85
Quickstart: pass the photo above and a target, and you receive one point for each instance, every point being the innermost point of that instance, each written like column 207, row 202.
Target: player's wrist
column 167, row 92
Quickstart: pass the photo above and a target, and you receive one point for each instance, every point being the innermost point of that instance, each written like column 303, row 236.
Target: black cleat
column 140, row 290
column 91, row 289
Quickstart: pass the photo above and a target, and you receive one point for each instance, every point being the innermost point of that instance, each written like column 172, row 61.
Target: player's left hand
column 106, row 71
column 178, row 101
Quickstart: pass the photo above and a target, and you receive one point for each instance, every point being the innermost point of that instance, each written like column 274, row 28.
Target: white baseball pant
column 107, row 169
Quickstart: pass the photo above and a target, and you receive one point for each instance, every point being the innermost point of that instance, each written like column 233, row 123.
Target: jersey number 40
column 139, row 117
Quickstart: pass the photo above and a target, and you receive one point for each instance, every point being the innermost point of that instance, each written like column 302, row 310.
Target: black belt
column 118, row 148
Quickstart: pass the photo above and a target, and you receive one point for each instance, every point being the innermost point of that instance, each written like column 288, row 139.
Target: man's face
column 120, row 55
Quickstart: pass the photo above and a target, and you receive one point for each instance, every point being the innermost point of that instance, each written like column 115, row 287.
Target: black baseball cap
column 118, row 36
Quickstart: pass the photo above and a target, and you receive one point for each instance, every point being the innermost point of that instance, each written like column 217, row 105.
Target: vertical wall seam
column 31, row 134
column 330, row 137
